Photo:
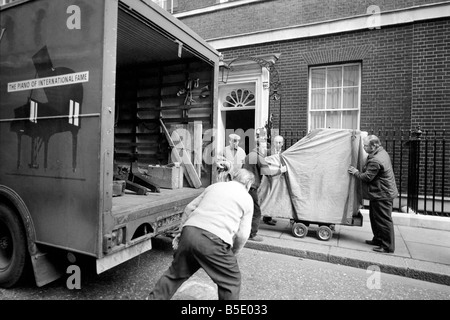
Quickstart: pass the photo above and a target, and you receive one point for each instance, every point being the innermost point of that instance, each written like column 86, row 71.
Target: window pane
column 350, row 98
column 332, row 89
column 318, row 78
column 318, row 99
column 334, row 120
column 317, row 120
column 334, row 99
column 334, row 77
column 351, row 75
column 350, row 120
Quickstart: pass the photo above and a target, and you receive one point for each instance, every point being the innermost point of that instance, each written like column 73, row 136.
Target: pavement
column 422, row 246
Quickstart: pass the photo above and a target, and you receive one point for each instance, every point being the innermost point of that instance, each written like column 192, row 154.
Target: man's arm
column 272, row 170
column 371, row 172
column 272, row 166
column 243, row 232
column 185, row 216
column 190, row 208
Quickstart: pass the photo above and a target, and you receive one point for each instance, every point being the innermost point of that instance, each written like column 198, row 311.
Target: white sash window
column 335, row 96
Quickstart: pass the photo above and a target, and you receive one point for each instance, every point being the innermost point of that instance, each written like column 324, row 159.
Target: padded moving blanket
column 316, row 186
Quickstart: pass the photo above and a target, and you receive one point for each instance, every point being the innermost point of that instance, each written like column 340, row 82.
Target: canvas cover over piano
column 316, row 186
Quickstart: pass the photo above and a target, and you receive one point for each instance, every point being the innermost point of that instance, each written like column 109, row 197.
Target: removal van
column 91, row 95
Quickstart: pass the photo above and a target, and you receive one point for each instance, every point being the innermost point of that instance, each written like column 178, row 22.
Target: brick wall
column 431, row 76
column 186, row 5
column 272, row 14
column 431, row 101
column 405, row 71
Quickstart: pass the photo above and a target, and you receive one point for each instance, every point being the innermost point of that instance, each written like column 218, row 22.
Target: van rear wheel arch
column 13, row 247
column 10, row 198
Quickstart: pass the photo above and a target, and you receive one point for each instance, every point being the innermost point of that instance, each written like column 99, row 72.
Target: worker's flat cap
column 234, row 136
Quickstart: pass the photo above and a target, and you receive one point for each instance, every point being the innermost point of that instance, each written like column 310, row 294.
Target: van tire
column 13, row 247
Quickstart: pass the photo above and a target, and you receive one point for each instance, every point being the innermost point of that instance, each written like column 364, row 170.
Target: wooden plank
column 198, row 142
column 184, row 159
column 198, row 105
column 188, row 119
column 192, row 136
column 185, row 132
column 175, row 154
column 133, row 207
column 140, row 190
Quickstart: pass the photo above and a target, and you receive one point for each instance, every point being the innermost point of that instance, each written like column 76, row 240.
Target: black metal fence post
column 443, row 174
column 413, row 170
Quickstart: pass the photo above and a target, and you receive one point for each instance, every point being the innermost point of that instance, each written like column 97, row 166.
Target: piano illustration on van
column 41, row 120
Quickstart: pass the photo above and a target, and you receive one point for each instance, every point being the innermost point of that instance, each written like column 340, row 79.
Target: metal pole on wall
column 279, row 117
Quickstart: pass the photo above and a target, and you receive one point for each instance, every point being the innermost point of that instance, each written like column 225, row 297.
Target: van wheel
column 13, row 249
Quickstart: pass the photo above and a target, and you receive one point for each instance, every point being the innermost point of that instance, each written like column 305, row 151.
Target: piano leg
column 34, row 153
column 19, row 149
column 46, row 152
column 74, row 150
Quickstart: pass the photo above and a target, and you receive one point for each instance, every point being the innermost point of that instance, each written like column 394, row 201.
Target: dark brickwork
column 405, row 76
column 405, row 83
column 272, row 14
column 431, row 76
column 187, row 5
column 386, row 59
column 405, row 70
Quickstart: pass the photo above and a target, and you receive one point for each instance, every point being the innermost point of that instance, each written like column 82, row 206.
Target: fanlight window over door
column 239, row 99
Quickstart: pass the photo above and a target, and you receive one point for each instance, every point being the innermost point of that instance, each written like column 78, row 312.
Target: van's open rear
column 86, row 91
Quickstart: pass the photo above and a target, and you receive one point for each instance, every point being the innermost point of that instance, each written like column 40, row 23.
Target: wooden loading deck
column 131, row 207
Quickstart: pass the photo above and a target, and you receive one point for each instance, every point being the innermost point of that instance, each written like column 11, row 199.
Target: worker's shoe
column 382, row 250
column 372, row 243
column 256, row 238
column 270, row 222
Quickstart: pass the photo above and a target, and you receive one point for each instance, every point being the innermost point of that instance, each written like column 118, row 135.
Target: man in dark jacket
column 381, row 190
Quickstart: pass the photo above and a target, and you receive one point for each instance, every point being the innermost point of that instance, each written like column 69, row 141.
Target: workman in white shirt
column 214, row 228
column 278, row 143
column 233, row 156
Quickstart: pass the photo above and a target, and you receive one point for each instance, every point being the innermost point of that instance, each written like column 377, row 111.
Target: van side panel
column 51, row 59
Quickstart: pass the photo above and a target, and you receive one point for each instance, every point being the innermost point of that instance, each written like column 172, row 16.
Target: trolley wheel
column 13, row 248
column 324, row 233
column 299, row 230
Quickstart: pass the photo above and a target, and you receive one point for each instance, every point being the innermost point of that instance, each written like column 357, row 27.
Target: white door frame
column 260, row 77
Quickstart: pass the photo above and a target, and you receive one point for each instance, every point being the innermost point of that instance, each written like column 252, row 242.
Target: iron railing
column 421, row 162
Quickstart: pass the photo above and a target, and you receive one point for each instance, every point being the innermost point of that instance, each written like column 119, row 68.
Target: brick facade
column 405, row 68
column 273, row 14
column 403, row 83
column 192, row 5
column 431, row 75
column 405, row 72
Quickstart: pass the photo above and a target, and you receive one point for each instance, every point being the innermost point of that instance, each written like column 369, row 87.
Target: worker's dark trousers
column 380, row 213
column 199, row 248
column 256, row 212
